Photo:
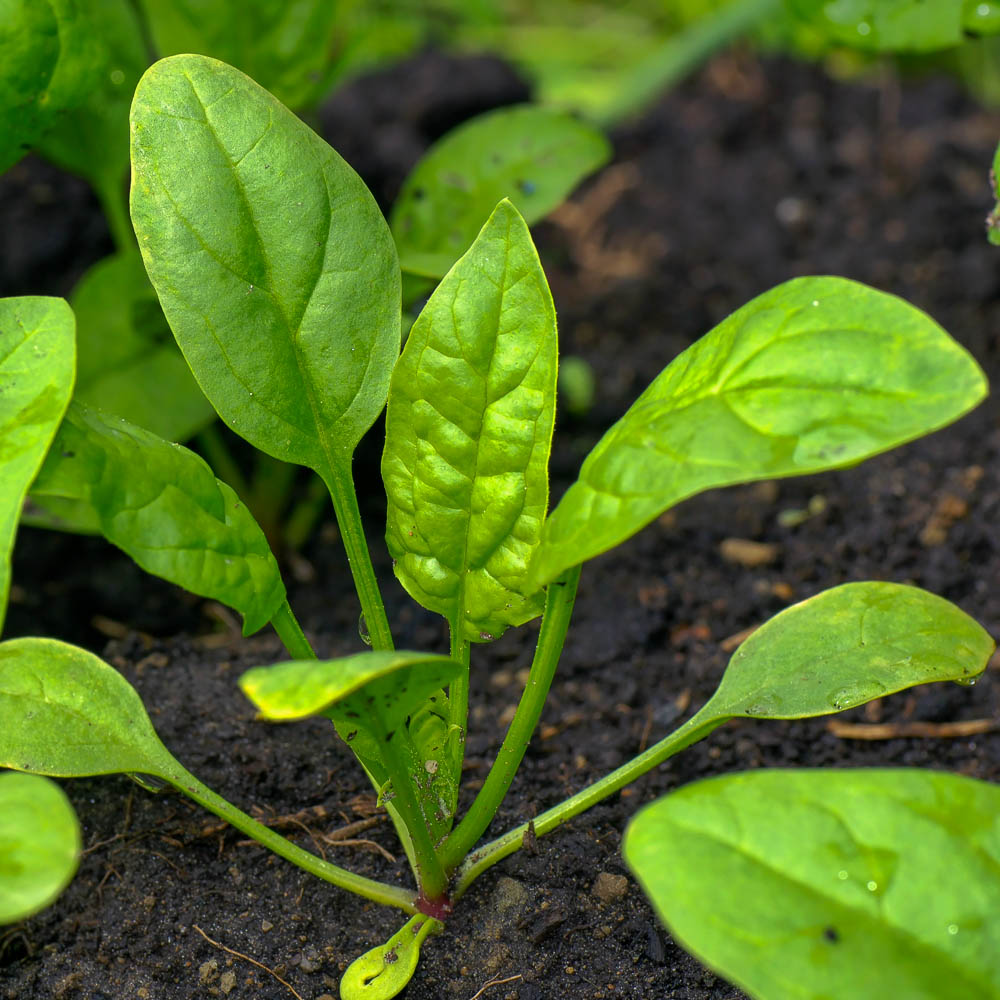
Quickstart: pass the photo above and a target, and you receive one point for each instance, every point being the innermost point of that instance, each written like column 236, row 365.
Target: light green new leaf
column 468, row 434
column 91, row 139
column 274, row 267
column 818, row 373
column 161, row 504
column 285, row 45
column 846, row 646
column 808, row 885
column 39, row 844
column 127, row 361
column 67, row 714
column 534, row 156
column 36, row 379
column 373, row 698
column 51, row 57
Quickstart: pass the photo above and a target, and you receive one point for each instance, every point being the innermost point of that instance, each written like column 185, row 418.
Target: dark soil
column 749, row 174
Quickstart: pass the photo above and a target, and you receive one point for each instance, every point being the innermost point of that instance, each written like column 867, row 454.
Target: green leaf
column 161, row 504
column 846, row 646
column 50, row 59
column 66, row 713
column 274, row 267
column 91, row 139
column 39, row 844
column 886, row 25
column 534, row 156
column 806, row 885
column 468, row 434
column 374, row 698
column 285, row 45
column 981, row 17
column 818, row 373
column 127, row 361
column 36, row 376
column 993, row 219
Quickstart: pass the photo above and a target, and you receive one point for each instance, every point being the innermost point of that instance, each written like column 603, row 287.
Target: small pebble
column 609, row 888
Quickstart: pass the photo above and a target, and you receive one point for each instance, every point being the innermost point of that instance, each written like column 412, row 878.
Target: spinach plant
column 281, row 283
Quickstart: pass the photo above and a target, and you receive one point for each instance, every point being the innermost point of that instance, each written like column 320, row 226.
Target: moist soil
column 750, row 173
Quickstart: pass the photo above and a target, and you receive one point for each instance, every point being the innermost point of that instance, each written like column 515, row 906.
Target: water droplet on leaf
column 363, row 630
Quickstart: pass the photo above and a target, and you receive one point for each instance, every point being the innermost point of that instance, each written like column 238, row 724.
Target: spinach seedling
column 280, row 280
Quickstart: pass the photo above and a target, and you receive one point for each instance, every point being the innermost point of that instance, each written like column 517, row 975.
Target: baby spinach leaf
column 468, row 434
column 91, row 138
column 846, row 646
column 36, row 379
column 285, row 45
column 39, row 844
column 127, row 361
column 271, row 260
column 66, row 713
column 817, row 884
column 534, row 156
column 161, row 504
column 818, row 373
column 374, row 698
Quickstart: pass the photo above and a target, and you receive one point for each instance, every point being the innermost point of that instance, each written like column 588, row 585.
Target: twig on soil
column 247, row 958
column 895, row 730
column 494, row 982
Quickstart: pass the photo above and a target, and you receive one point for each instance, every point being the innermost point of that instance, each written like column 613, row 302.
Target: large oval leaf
column 468, row 434
column 162, row 505
column 810, row 885
column 65, row 713
column 532, row 155
column 36, row 373
column 274, row 267
column 39, row 844
column 846, row 646
column 128, row 363
column 818, row 373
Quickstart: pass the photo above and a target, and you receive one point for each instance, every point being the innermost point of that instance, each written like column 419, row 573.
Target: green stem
column 340, row 483
column 694, row 729
column 458, row 701
column 558, row 608
column 223, row 464
column 290, row 633
column 430, row 874
column 684, row 52
column 304, row 515
column 269, row 490
column 111, row 195
column 377, row 892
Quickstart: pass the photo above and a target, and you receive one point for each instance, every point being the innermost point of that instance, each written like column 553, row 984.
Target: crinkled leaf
column 846, row 646
column 534, row 156
column 91, row 139
column 806, row 885
column 39, row 844
column 161, row 504
column 274, row 267
column 374, row 697
column 468, row 434
column 51, row 57
column 285, row 45
column 36, row 381
column 818, row 373
column 65, row 713
column 127, row 361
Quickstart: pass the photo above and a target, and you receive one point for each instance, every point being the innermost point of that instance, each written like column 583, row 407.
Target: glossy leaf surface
column 39, row 844
column 818, row 373
column 65, row 713
column 534, row 156
column 373, row 698
column 271, row 260
column 468, row 434
column 127, row 361
column 819, row 884
column 161, row 504
column 846, row 646
column 285, row 45
column 36, row 373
